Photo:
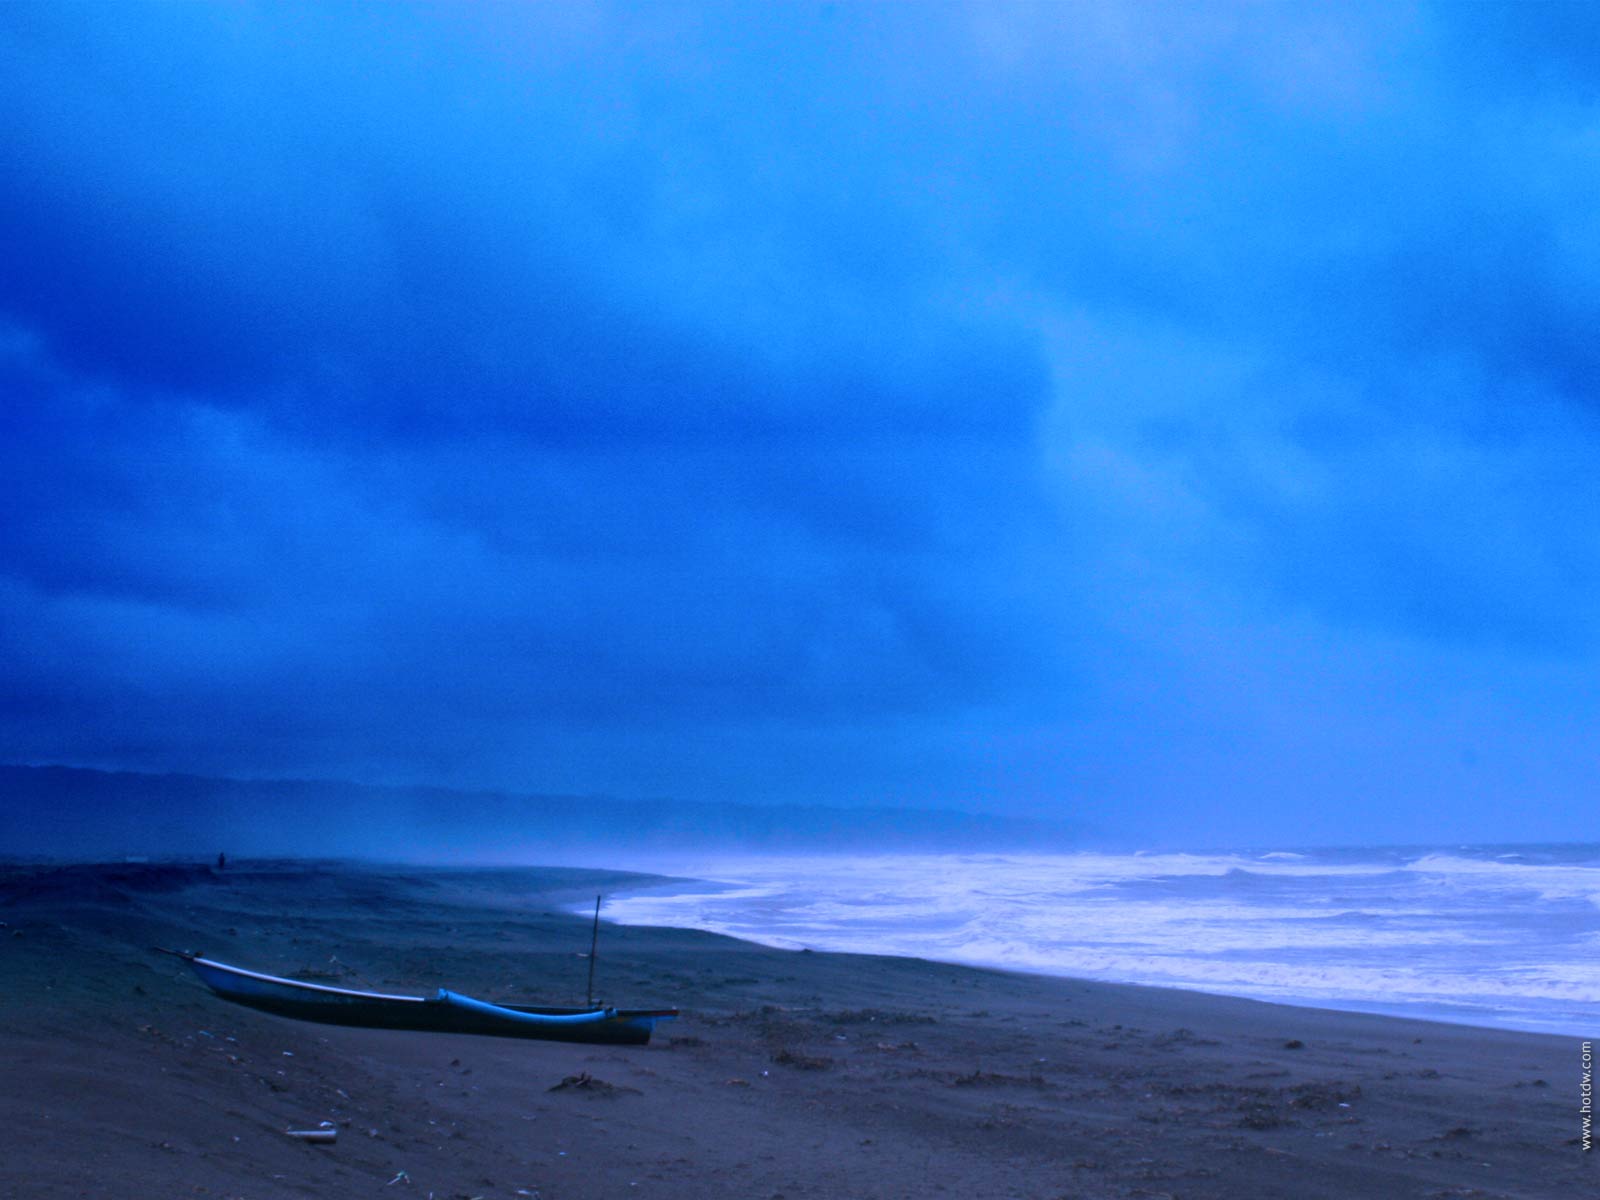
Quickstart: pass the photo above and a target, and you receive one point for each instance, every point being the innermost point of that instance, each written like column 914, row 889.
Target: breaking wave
column 1500, row 936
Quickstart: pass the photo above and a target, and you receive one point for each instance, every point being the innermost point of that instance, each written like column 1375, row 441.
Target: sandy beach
column 790, row 1074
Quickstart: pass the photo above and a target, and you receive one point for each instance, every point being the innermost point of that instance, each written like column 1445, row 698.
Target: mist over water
column 1503, row 936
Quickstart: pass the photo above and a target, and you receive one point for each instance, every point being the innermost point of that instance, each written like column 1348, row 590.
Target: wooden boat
column 444, row 1012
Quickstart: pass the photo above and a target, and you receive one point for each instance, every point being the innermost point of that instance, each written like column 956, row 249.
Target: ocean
column 1505, row 936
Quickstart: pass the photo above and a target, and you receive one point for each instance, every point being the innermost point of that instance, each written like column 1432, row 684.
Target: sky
column 1179, row 419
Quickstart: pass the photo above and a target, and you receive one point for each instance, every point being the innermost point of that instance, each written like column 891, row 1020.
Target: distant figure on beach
column 222, row 861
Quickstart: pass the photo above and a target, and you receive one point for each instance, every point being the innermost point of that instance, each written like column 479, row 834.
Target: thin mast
column 594, row 945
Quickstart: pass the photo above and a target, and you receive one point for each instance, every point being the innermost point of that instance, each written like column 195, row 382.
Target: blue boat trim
column 479, row 1006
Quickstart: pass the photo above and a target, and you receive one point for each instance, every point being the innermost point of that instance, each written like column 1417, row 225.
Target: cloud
column 1010, row 405
column 1413, row 511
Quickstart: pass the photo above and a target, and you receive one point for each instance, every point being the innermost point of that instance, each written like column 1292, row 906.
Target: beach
column 789, row 1074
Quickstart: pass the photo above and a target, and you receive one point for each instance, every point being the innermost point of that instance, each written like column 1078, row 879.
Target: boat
column 443, row 1012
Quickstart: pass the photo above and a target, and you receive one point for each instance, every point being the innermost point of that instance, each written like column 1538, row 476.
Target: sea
column 1502, row 936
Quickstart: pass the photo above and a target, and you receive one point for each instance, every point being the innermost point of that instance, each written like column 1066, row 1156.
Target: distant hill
column 70, row 812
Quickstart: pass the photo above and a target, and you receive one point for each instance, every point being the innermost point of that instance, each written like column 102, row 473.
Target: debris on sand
column 324, row 1132
column 878, row 1016
column 585, row 1082
column 801, row 1062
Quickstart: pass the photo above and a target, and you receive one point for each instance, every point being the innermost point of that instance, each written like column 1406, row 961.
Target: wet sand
column 790, row 1074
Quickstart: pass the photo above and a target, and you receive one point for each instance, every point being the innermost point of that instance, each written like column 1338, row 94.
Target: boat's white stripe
column 300, row 985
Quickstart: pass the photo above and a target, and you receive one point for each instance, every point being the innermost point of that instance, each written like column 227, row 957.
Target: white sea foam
column 1499, row 937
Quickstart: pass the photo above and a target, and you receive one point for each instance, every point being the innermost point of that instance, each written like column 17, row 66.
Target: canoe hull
column 445, row 1012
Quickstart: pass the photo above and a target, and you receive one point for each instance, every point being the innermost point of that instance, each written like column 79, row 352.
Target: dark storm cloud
column 448, row 252
column 475, row 492
column 1007, row 405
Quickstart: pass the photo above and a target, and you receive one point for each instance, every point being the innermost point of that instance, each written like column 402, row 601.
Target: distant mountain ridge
column 74, row 812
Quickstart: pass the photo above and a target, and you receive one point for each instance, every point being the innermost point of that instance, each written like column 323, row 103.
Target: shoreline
column 1333, row 933
column 792, row 1073
column 1400, row 1012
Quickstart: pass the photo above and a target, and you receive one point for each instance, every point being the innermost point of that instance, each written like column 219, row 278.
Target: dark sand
column 789, row 1075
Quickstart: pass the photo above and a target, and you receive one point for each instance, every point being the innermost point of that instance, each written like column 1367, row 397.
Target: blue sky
column 1176, row 418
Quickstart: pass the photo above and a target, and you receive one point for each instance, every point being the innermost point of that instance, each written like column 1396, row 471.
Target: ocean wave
column 1379, row 931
